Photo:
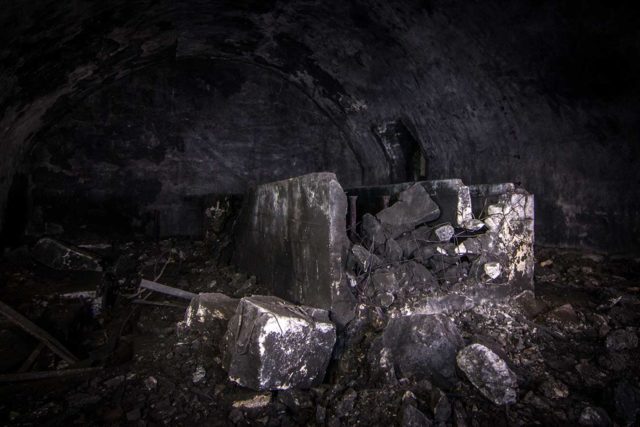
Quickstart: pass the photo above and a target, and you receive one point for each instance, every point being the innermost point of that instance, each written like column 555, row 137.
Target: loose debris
column 565, row 355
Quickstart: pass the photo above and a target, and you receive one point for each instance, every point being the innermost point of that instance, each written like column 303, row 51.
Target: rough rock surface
column 271, row 344
column 60, row 256
column 424, row 347
column 207, row 308
column 488, row 373
column 292, row 237
column 414, row 207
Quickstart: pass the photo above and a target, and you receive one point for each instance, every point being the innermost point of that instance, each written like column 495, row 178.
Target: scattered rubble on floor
column 435, row 327
column 488, row 373
column 59, row 256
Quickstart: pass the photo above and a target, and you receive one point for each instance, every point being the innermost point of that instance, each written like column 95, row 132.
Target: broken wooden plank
column 167, row 290
column 41, row 375
column 26, row 365
column 37, row 332
column 159, row 303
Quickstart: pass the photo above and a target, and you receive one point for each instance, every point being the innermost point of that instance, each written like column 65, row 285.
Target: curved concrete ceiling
column 541, row 94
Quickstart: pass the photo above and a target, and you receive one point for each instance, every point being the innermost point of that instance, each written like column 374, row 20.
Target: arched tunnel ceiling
column 540, row 93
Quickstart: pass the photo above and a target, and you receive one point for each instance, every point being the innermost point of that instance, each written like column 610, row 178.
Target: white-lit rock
column 271, row 344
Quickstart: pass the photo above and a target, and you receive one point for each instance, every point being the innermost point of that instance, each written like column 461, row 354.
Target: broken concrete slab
column 424, row 347
column 365, row 259
column 271, row 344
column 372, row 231
column 444, row 233
column 488, row 373
column 292, row 236
column 511, row 223
column 414, row 207
column 60, row 256
column 209, row 307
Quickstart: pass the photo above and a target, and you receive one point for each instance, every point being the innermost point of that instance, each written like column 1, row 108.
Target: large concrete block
column 292, row 237
column 508, row 214
column 271, row 344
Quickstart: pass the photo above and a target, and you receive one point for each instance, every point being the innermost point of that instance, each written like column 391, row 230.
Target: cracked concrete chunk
column 393, row 252
column 271, row 344
column 292, row 236
column 209, row 307
column 424, row 347
column 622, row 339
column 492, row 269
column 372, row 230
column 60, row 256
column 444, row 233
column 414, row 207
column 365, row 259
column 488, row 373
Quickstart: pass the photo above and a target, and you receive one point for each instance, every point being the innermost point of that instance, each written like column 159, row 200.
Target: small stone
column 488, row 373
column 492, row 269
column 199, row 374
column 60, row 256
column 546, row 263
column 114, row 382
column 622, row 339
column 414, row 207
column 372, row 230
column 258, row 401
column 594, row 417
column 384, row 281
column 424, row 347
column 627, row 402
column 346, row 403
column 419, row 277
column 271, row 344
column 150, row 383
column 440, row 406
column 445, row 232
column 385, row 299
column 473, row 225
column 134, row 414
column 365, row 260
column 563, row 315
column 554, row 389
column 413, row 417
column 208, row 308
column 393, row 252
column 409, row 245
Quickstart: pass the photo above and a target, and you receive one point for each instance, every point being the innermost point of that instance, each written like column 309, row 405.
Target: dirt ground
column 574, row 348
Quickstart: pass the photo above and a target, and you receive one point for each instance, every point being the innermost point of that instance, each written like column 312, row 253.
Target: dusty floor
column 568, row 358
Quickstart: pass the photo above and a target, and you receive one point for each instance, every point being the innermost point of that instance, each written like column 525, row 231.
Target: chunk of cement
column 622, row 339
column 365, row 260
column 416, row 275
column 209, row 307
column 372, row 230
column 488, row 373
column 424, row 347
column 292, row 236
column 271, row 344
column 444, row 233
column 492, row 269
column 60, row 256
column 414, row 207
column 392, row 251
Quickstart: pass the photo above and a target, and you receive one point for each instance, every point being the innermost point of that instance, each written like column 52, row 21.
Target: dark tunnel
column 148, row 139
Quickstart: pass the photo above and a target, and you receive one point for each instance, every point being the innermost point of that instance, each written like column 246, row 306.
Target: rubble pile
column 408, row 259
column 427, row 317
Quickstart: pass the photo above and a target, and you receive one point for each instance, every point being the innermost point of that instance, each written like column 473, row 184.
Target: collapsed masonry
column 422, row 250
